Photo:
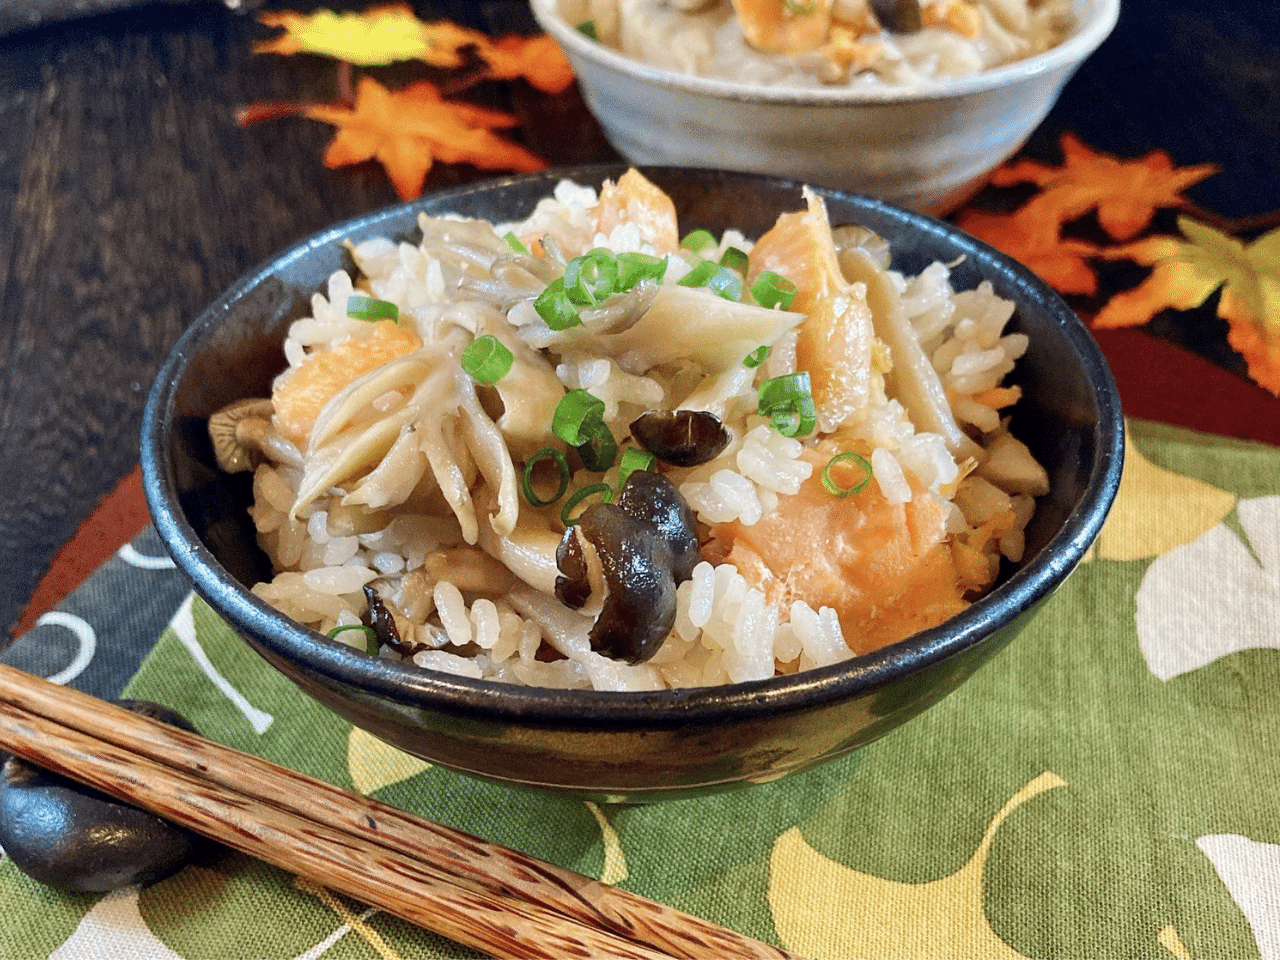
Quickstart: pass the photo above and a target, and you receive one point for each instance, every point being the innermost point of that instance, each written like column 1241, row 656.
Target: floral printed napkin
column 1108, row 786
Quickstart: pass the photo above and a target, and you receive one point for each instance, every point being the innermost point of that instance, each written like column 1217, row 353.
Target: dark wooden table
column 129, row 198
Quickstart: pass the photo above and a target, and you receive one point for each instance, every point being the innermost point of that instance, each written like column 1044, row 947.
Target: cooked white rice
column 706, row 38
column 408, row 483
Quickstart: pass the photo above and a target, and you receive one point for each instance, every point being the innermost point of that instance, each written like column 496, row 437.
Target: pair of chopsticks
column 484, row 895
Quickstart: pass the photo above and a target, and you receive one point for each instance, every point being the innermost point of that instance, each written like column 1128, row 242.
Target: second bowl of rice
column 632, row 482
column 919, row 120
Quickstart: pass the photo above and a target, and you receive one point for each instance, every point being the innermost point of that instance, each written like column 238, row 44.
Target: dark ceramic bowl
column 633, row 746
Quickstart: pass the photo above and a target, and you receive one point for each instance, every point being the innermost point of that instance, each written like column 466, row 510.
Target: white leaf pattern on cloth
column 131, row 556
column 184, row 628
column 112, row 929
column 83, row 632
column 1251, row 872
column 1213, row 596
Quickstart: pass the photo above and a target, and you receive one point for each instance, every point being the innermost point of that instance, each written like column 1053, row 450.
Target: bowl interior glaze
column 633, row 746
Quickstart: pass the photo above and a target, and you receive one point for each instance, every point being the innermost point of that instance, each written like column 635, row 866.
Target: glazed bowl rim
column 1079, row 44
column 334, row 663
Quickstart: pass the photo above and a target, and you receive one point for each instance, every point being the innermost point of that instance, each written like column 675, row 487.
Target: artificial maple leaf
column 379, row 36
column 407, row 130
column 1125, row 193
column 1032, row 236
column 1186, row 271
column 391, row 33
column 538, row 59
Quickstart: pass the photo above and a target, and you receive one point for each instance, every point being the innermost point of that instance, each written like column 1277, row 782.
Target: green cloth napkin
column 1107, row 787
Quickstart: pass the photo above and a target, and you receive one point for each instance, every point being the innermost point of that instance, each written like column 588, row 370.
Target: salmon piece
column 636, row 199
column 960, row 16
column 298, row 395
column 777, row 27
column 837, row 340
column 886, row 569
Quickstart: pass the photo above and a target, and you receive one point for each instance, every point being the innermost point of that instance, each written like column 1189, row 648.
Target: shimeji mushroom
column 682, row 438
column 243, row 436
column 634, row 552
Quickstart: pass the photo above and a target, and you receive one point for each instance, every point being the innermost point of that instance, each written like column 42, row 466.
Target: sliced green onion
column 562, row 468
column 773, row 290
column 600, row 449
column 698, row 240
column 575, row 417
column 591, row 489
column 756, row 357
column 714, row 277
column 514, row 243
column 555, row 308
column 633, row 459
column 800, row 9
column 487, row 359
column 370, row 638
column 848, row 457
column 591, row 278
column 788, row 402
column 371, row 308
column 588, row 29
column 634, row 267
column 735, row 259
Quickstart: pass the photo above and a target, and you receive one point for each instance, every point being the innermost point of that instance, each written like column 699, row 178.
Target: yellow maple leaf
column 407, row 130
column 391, row 33
column 1186, row 271
column 1032, row 236
column 1124, row 193
column 376, row 37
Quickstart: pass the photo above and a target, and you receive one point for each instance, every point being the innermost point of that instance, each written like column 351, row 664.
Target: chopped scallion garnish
column 371, row 308
column 635, row 267
column 575, row 417
column 487, row 359
column 788, row 402
column 773, row 290
column 588, row 29
column 735, row 259
column 633, row 459
column 591, row 278
column 600, row 449
column 709, row 274
column 555, row 308
column 562, row 469
column 371, row 645
column 592, row 489
column 698, row 240
column 859, row 461
column 515, row 243
column 756, row 357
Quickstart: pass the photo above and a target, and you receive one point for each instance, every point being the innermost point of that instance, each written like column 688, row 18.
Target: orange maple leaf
column 1032, row 236
column 538, row 59
column 1186, row 271
column 1125, row 193
column 407, row 130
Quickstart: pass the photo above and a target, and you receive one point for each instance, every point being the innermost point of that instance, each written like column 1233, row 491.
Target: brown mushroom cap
column 646, row 545
column 239, row 431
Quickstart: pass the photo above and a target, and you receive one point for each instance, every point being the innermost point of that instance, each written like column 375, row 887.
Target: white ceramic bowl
column 923, row 148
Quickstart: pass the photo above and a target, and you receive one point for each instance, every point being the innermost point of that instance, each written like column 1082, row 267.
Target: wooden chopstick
column 481, row 894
